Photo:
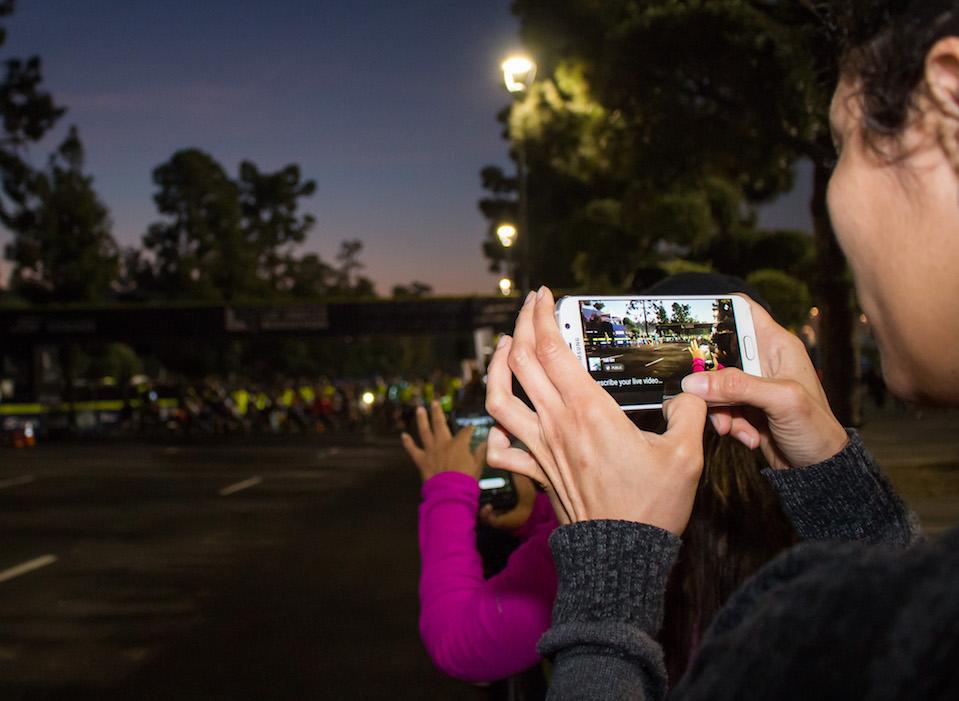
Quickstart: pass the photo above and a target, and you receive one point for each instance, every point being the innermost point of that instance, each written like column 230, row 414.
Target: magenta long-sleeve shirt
column 473, row 628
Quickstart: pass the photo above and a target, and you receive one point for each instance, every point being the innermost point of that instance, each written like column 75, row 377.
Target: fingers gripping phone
column 640, row 348
column 496, row 486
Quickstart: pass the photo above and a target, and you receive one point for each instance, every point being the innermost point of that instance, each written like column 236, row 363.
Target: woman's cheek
column 838, row 205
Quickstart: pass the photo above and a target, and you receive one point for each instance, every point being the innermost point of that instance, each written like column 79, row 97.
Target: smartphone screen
column 639, row 350
column 481, row 424
column 496, row 486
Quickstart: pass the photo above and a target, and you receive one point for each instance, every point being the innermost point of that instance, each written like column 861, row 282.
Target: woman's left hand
column 599, row 465
column 696, row 351
column 442, row 451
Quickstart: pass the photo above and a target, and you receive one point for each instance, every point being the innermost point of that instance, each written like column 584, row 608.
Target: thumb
column 733, row 386
column 464, row 434
column 486, row 514
column 479, row 457
column 685, row 418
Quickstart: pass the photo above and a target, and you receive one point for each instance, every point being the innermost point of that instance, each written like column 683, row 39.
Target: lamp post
column 518, row 74
column 519, row 71
column 506, row 233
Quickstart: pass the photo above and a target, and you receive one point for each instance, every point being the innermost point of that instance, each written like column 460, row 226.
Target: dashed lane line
column 239, row 486
column 14, row 481
column 26, row 567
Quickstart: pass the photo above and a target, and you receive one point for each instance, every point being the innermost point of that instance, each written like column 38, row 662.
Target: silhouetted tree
column 414, row 290
column 223, row 239
column 63, row 250
column 271, row 223
column 347, row 280
column 306, row 277
column 27, row 112
column 199, row 249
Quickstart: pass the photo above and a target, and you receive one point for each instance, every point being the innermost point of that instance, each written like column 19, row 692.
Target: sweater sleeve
column 475, row 629
column 609, row 606
column 844, row 498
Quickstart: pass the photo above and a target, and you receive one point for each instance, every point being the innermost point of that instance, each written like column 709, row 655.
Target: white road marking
column 29, row 566
column 658, row 360
column 245, row 484
column 14, row 481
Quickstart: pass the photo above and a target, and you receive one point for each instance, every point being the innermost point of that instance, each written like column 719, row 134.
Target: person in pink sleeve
column 477, row 629
column 703, row 357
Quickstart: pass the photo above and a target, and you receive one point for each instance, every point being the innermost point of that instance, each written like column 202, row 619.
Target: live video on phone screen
column 640, row 350
column 481, row 424
column 491, row 478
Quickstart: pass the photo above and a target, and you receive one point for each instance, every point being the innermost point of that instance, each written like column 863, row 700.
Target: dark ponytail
column 736, row 527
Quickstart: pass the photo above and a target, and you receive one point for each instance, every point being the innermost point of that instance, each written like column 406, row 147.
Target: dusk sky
column 389, row 107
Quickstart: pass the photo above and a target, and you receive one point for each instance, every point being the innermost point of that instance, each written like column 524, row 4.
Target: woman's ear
column 942, row 82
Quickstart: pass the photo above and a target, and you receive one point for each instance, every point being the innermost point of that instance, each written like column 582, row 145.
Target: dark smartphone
column 496, row 486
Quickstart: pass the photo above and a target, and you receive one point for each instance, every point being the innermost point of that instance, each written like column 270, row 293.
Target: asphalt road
column 262, row 571
column 218, row 572
column 663, row 361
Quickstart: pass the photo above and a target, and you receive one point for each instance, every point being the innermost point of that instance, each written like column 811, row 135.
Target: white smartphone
column 640, row 348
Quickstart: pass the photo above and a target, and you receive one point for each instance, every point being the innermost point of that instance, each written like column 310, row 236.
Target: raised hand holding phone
column 441, row 451
column 785, row 412
column 581, row 443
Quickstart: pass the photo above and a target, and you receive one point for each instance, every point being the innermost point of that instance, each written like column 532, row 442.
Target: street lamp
column 519, row 71
column 506, row 287
column 506, row 233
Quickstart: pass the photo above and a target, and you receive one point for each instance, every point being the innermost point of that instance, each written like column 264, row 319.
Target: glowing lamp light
column 814, row 312
column 368, row 398
column 506, row 234
column 506, row 287
column 518, row 73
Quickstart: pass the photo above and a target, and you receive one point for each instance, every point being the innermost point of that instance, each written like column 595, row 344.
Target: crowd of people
column 749, row 546
column 302, row 406
column 213, row 406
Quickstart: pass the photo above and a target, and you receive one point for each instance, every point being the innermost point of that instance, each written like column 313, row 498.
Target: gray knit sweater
column 851, row 613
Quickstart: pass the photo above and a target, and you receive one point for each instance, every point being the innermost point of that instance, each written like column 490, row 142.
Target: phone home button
column 748, row 348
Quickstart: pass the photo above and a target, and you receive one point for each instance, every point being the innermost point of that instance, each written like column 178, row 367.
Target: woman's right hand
column 784, row 412
column 519, row 514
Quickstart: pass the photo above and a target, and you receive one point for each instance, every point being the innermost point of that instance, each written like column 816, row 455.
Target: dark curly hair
column 883, row 44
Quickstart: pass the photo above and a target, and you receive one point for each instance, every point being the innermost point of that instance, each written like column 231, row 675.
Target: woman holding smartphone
column 865, row 612
column 475, row 628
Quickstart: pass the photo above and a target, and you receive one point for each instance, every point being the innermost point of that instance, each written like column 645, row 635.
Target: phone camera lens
column 567, row 325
